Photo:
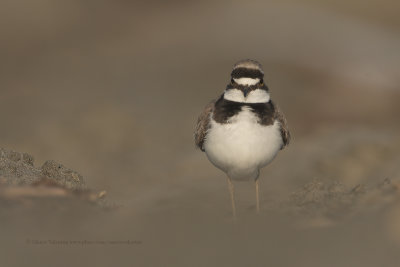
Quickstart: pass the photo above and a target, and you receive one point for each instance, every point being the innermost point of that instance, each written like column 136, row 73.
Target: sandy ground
column 112, row 92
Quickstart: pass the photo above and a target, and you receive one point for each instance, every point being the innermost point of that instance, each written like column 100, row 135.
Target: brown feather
column 283, row 125
column 203, row 125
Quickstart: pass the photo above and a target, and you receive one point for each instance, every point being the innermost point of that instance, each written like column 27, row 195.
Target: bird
column 243, row 130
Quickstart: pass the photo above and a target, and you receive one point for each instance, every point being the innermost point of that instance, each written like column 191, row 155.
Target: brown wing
column 283, row 124
column 203, row 124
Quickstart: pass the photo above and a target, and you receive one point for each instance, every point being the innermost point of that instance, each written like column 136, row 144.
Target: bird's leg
column 258, row 196
column 231, row 192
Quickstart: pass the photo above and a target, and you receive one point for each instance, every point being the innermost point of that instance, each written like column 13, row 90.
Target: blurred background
column 112, row 89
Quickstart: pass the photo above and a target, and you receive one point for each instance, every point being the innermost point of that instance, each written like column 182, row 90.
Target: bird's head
column 247, row 83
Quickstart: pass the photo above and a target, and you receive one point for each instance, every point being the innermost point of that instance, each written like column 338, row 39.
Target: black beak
column 246, row 91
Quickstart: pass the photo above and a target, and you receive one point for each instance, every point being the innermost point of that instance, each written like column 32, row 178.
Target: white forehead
column 246, row 81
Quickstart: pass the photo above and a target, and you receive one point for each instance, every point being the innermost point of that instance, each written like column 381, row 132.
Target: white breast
column 242, row 146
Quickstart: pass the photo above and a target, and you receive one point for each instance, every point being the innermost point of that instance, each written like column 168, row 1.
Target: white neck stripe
column 255, row 96
column 246, row 81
